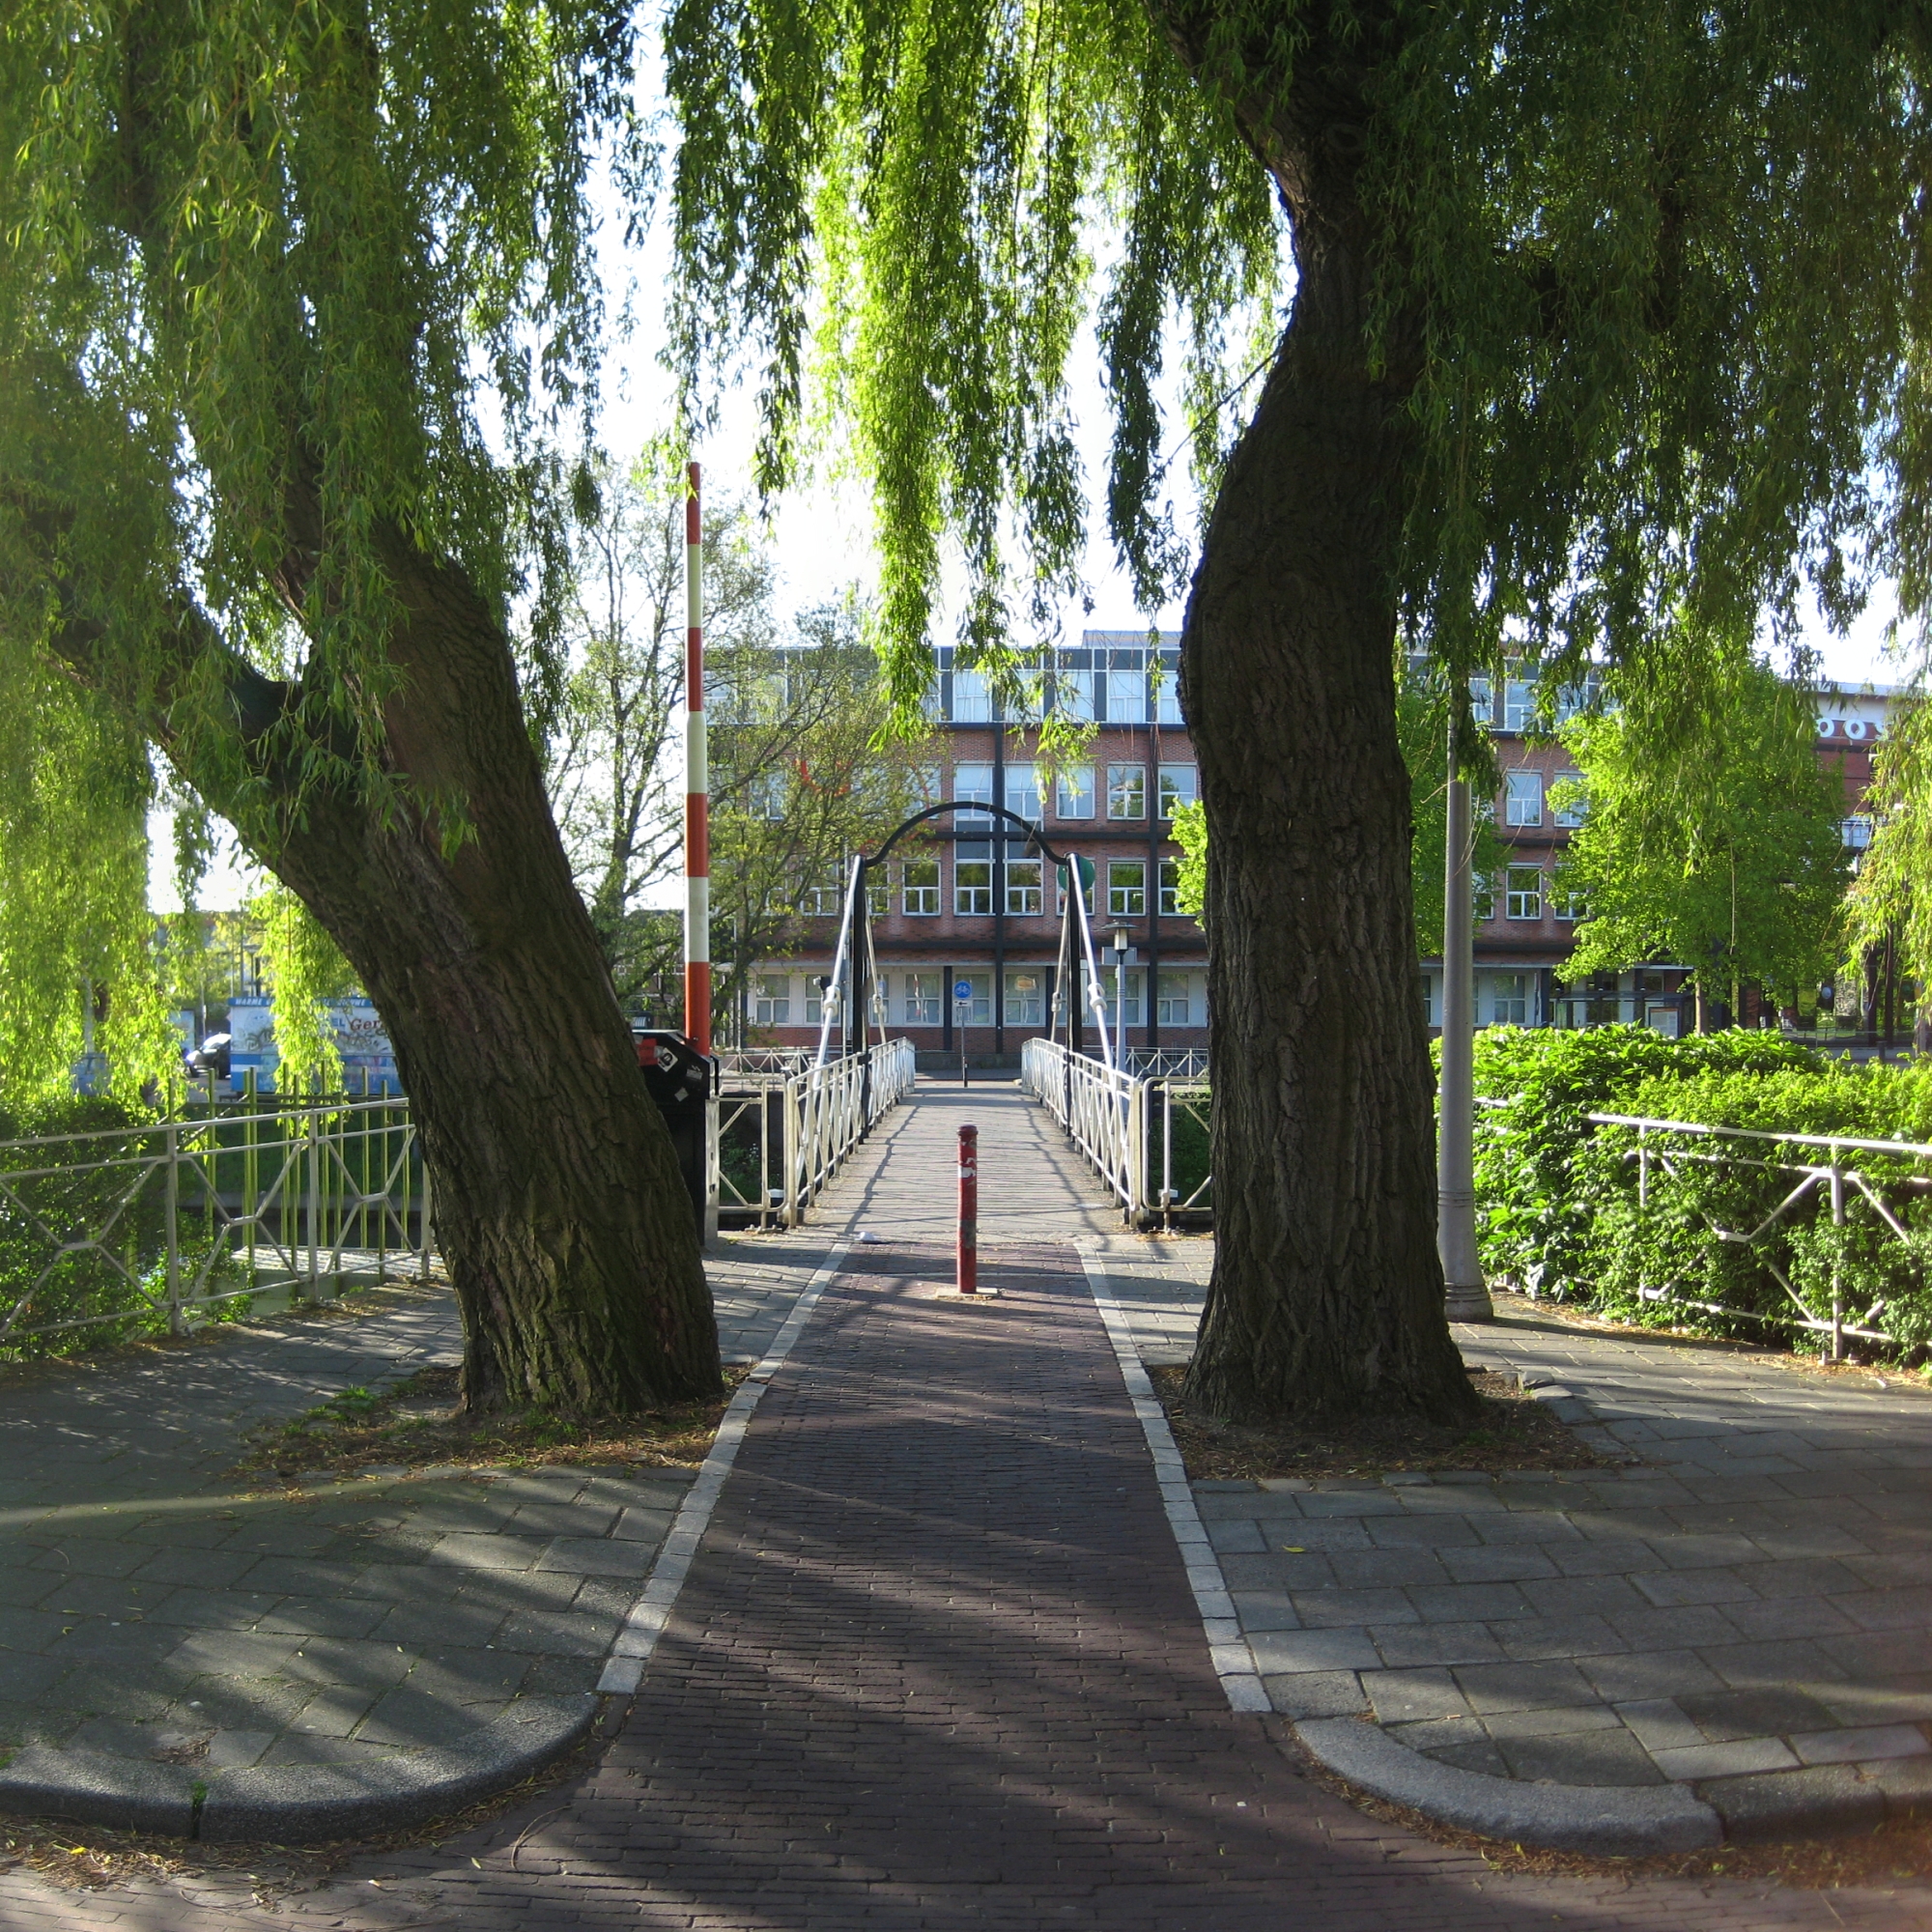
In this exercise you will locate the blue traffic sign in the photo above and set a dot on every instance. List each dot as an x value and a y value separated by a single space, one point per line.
962 991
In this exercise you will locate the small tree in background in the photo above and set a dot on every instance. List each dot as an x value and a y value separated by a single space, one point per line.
1712 841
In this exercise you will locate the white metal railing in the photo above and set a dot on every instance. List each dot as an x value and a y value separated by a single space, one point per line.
1832 1183
782 1135
1124 1123
1168 1063
160 1226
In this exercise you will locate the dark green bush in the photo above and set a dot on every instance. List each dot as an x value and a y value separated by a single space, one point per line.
1561 1213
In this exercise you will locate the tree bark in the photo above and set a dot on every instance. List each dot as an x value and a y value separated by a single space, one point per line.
1327 1293
560 1208
559 1202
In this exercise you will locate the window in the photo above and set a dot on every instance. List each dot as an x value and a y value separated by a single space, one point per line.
976 1009
1127 696
1431 993
1086 876
767 795
1482 700
1023 791
878 893
1074 793
923 783
1519 705
821 899
1578 698
1509 1000
1167 695
1126 791
1483 897
921 999
1523 893
972 784
1108 990
771 1001
1170 888
1073 695
1026 997
1126 888
973 881
972 701
921 887
814 1001
1568 905
1179 785
1174 999
1522 798
1573 812
1023 891
1855 832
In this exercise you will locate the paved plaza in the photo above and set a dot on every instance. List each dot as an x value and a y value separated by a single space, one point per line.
937 1658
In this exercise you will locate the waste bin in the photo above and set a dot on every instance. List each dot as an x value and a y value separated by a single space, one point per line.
682 1081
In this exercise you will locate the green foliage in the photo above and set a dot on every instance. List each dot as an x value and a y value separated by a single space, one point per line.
1646 282
305 969
264 268
74 929
1712 840
1190 834
1559 1198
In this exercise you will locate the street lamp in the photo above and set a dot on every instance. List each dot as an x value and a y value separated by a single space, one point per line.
1119 938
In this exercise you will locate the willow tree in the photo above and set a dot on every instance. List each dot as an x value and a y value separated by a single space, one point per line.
1596 313
267 271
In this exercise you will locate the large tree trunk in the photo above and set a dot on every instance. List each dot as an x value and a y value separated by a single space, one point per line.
1327 1290
559 1202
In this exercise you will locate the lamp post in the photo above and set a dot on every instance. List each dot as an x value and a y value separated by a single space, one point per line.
1118 937
1467 1296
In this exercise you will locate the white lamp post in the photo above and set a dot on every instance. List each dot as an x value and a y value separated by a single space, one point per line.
1467 1294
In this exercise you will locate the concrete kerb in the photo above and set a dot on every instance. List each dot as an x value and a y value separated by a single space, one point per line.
1629 1821
311 1804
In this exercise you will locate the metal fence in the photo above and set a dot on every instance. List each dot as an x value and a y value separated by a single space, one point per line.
1145 1133
1789 1183
782 1133
138 1229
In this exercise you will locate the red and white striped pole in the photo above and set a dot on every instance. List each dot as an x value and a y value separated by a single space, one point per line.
697 785
966 1256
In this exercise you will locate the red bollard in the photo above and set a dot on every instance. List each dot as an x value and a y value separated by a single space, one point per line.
966 1266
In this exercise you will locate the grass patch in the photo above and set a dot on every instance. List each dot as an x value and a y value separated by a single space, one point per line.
1513 1430
415 1423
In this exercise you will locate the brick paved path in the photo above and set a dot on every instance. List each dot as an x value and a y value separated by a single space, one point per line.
937 1666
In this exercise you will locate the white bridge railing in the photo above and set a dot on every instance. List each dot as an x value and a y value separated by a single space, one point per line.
1145 1133
782 1134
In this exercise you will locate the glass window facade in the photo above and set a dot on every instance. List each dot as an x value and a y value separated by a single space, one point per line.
1126 791
1126 888
1073 792
1023 888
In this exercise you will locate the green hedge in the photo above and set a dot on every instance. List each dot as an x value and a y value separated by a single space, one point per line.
1558 1199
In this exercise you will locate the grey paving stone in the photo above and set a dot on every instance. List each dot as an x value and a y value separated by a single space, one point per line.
1278 1652
1352 1502
1422 1532
336 1711
408 1718
235 1750
1491 1563
563 1518
1239 1536
1672 1589
1696 1762
475 1551
1788 1804
1854 1743
1908 1607
1533 1640
559 1636
1595 1757
1408 1696
337 1616
1603 1556
644 1525
1412 1645
1795 1663
1265 1611
600 1556
1539 1526
1438 1734
1524 1687
1316 1694
1467 1603
413 1626
1477 1756
1695 1627
1321 1609
1787 1617
1356 1569
1659 1723
1762 1711
1562 1721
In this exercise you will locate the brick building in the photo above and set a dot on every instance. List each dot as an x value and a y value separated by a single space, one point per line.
966 904
1524 926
